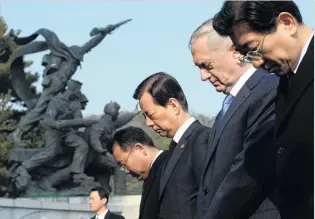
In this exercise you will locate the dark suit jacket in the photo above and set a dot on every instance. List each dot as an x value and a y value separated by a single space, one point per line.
149 206
181 177
237 167
111 215
295 141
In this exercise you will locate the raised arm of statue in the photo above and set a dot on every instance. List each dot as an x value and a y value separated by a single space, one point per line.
71 123
124 119
52 121
98 35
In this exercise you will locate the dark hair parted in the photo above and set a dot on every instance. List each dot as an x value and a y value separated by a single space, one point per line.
162 86
102 192
260 16
126 138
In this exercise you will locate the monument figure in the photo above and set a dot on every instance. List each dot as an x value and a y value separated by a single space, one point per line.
70 160
99 163
60 65
62 114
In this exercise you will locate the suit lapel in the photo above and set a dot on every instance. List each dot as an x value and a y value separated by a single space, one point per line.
236 104
179 149
107 216
147 185
301 81
217 131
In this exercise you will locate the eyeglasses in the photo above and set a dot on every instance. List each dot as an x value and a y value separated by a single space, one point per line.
123 166
254 55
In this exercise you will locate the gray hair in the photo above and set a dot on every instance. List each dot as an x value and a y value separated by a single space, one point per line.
215 41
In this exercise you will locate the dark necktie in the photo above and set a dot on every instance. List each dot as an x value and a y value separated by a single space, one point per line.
170 152
289 78
225 105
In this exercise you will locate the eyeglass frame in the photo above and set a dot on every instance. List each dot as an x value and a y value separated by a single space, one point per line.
251 55
123 166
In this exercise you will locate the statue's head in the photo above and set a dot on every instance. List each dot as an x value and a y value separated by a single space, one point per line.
51 63
83 101
76 52
112 109
74 89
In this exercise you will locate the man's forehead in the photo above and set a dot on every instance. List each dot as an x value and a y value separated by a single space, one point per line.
117 151
241 35
94 194
146 102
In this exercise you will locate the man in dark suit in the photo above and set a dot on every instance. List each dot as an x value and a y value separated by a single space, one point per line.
98 204
236 169
135 153
272 34
165 108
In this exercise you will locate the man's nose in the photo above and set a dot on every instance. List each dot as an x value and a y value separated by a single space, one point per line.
204 74
149 122
258 62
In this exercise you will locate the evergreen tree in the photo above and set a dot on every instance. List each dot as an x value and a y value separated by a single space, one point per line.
9 115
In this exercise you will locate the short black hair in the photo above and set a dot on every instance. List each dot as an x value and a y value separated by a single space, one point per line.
162 86
102 192
128 137
260 16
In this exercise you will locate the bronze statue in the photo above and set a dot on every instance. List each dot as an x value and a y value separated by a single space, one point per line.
70 159
60 65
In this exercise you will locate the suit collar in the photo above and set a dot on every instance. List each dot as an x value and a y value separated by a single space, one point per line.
303 52
241 81
240 98
182 129
147 185
179 149
107 216
104 215
300 82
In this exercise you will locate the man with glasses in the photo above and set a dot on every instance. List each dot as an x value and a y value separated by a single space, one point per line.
237 163
136 155
271 34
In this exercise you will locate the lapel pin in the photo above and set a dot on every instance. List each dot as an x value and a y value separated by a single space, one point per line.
182 146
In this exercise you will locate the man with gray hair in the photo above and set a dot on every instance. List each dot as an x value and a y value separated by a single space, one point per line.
236 177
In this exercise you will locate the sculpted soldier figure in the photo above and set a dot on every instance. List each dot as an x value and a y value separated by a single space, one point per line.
101 133
60 65
63 113
98 135
49 183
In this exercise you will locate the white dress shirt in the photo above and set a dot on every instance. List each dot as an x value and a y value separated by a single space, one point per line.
303 52
158 154
241 81
183 129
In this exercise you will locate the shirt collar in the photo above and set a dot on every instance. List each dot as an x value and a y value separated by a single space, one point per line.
102 215
156 156
183 129
241 81
304 50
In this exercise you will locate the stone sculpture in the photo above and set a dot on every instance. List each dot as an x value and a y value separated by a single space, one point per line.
60 65
71 160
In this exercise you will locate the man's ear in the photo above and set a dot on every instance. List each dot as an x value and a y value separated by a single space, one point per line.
104 201
175 105
140 147
231 47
